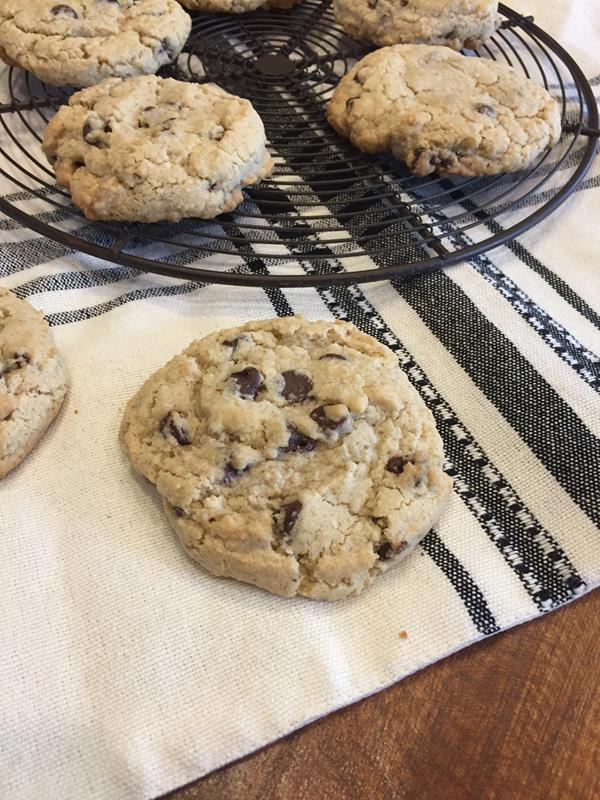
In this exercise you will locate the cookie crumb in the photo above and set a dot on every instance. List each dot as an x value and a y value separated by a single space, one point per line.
403 635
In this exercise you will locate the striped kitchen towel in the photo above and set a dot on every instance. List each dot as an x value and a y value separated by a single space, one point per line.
126 670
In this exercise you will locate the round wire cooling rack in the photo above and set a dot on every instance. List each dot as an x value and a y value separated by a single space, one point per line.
328 214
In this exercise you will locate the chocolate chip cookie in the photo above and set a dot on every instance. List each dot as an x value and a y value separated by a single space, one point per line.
83 41
149 149
290 454
33 379
454 23
443 112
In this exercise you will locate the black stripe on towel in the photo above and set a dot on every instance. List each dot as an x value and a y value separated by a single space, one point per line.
463 583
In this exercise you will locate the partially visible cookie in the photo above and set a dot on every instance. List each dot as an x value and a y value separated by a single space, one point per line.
453 23
149 149
290 454
443 112
237 6
33 379
81 42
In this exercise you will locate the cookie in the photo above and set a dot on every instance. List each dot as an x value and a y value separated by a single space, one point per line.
81 42
149 149
453 23
33 379
236 6
290 454
443 112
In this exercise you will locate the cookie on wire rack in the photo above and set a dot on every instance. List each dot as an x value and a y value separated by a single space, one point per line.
453 23
81 42
443 112
150 149
290 454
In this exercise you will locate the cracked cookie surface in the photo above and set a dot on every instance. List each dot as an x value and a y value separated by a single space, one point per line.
442 112
149 149
453 23
81 42
33 379
290 454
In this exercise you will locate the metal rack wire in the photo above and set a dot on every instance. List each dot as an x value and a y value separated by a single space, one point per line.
329 214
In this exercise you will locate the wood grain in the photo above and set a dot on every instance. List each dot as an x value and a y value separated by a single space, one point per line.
516 717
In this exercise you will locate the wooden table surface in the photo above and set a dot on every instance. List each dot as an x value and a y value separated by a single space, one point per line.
516 717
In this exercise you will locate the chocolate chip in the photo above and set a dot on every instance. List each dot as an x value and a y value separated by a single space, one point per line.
65 11
148 108
249 381
167 49
489 111
230 472
178 511
324 422
417 154
87 129
174 424
333 355
108 128
290 515
386 550
232 342
396 464
350 102
297 386
372 3
19 360
298 442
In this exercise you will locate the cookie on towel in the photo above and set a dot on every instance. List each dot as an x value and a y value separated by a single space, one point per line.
33 379
290 454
